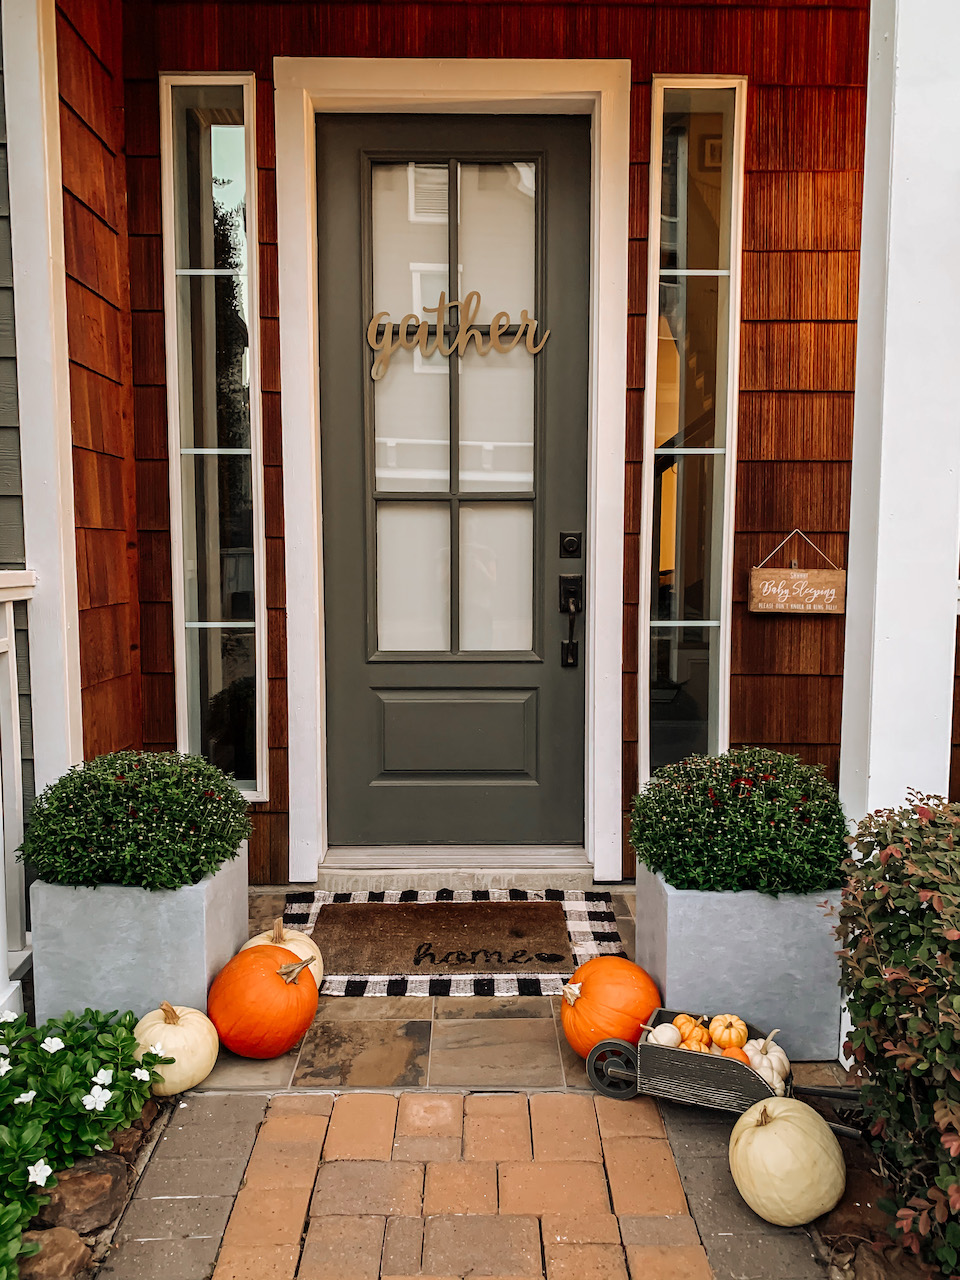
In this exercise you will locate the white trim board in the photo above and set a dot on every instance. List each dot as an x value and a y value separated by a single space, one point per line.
600 89
43 377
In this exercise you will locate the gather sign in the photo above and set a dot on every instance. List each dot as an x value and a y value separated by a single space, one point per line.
413 332
797 590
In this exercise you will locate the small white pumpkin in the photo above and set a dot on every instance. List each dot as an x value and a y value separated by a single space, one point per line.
786 1162
184 1034
301 944
764 1053
666 1035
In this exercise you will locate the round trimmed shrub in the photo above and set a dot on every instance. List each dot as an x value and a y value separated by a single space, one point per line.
747 819
154 820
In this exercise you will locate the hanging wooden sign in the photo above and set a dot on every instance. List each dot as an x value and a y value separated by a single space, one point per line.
413 332
797 590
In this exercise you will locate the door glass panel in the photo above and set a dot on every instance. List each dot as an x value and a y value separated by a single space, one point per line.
682 688
409 238
497 236
413 576
697 182
496 421
411 407
691 362
496 576
687 491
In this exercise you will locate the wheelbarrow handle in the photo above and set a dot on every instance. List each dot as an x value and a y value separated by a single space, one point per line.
841 1092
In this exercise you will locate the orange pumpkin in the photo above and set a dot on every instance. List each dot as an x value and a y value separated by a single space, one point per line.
695 1046
262 1001
736 1053
691 1029
729 1031
608 998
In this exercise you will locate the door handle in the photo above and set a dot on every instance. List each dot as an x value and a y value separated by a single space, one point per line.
571 603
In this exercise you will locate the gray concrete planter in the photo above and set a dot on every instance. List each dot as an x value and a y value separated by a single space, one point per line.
771 960
115 947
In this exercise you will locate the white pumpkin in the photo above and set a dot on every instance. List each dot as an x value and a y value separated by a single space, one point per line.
301 944
786 1162
666 1035
766 1054
184 1034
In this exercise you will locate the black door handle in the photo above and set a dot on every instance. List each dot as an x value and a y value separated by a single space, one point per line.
571 603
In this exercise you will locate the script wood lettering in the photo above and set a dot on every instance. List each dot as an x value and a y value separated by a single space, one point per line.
797 590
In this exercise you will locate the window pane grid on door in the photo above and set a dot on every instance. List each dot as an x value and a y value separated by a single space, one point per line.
467 431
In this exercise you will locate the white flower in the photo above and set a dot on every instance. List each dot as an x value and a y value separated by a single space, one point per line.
39 1172
52 1044
8 1016
26 1097
157 1049
96 1099
103 1076
4 1048
5 1066
140 1074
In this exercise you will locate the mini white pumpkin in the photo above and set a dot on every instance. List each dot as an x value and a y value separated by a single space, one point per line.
764 1053
666 1035
184 1034
301 944
786 1162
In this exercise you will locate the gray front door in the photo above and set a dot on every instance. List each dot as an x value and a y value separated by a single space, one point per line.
454 276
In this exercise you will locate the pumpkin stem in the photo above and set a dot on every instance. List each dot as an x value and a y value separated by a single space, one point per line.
572 991
763 1117
290 972
170 1014
278 931
766 1044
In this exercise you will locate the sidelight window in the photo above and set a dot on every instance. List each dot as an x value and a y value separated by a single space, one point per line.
690 417
212 319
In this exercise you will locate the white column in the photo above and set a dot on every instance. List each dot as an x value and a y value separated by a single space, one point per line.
43 377
905 512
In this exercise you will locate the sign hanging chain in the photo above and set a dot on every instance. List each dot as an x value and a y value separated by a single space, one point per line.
787 539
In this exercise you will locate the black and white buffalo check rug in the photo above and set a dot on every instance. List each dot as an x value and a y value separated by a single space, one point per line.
436 968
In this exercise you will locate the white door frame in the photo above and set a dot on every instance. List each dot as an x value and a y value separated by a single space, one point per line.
600 89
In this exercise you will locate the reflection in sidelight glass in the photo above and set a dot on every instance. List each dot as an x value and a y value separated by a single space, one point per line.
687 493
692 362
496 576
496 421
220 526
413 576
498 236
683 663
697 179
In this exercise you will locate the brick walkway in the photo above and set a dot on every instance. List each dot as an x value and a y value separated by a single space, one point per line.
429 1185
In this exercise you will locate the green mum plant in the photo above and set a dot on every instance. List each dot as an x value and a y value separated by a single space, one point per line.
748 819
156 820
900 930
65 1088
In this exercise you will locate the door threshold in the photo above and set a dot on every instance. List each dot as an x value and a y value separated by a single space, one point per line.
353 868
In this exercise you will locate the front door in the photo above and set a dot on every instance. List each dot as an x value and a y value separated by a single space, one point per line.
454 275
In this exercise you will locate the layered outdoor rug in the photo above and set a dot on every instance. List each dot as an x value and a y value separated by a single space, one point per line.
454 942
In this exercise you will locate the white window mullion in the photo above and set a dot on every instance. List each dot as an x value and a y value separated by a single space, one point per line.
702 94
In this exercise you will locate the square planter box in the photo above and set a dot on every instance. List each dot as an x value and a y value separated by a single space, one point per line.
115 947
770 960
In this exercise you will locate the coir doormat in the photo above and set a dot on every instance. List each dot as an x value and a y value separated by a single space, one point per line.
483 942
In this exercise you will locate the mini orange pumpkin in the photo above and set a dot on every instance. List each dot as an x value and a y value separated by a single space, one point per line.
695 1046
262 1001
608 998
736 1053
729 1031
692 1029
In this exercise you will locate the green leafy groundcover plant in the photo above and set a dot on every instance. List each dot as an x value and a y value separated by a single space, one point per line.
747 819
64 1088
156 820
900 930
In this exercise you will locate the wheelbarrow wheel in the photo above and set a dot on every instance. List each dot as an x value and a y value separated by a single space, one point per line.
612 1068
